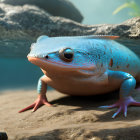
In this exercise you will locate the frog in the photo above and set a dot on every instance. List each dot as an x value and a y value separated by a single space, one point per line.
83 66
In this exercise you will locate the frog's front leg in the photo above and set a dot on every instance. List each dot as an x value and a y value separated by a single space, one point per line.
42 99
127 85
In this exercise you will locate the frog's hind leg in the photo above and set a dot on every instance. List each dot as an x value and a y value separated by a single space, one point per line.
127 85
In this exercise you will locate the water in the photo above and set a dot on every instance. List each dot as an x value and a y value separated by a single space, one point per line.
18 73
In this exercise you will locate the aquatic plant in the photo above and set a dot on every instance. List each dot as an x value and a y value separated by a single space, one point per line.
129 4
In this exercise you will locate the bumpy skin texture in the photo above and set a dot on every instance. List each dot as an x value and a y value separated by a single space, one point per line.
85 65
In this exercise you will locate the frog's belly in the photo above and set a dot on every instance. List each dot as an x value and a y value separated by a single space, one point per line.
82 88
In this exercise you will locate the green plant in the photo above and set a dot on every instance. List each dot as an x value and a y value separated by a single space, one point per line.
129 4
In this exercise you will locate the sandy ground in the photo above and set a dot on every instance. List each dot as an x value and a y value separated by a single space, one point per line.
71 118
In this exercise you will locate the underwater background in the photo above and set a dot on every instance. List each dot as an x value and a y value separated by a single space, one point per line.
17 72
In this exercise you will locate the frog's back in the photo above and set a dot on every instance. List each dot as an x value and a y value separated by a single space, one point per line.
117 57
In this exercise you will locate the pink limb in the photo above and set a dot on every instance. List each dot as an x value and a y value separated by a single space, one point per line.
122 104
41 100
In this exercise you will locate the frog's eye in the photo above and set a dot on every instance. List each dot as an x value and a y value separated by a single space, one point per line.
66 54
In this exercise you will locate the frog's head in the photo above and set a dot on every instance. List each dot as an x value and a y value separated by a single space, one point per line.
61 54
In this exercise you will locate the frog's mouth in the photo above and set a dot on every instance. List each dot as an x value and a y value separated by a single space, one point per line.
47 64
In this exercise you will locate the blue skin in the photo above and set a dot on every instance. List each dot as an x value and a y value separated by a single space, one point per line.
40 85
128 84
116 64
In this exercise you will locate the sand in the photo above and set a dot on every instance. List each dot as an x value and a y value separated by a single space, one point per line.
71 118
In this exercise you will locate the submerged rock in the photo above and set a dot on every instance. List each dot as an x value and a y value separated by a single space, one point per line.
21 25
63 8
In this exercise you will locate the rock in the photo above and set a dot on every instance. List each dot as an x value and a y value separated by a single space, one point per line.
3 136
21 25
63 8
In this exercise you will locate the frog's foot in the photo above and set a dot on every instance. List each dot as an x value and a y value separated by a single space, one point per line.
122 105
41 100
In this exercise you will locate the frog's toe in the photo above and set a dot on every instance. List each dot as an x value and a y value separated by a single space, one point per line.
122 105
108 106
41 100
125 112
40 103
121 108
134 103
27 108
116 113
47 104
37 105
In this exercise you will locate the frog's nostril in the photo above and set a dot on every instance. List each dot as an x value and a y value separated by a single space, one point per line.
46 56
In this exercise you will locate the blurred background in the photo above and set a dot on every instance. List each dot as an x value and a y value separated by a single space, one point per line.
17 72
101 11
